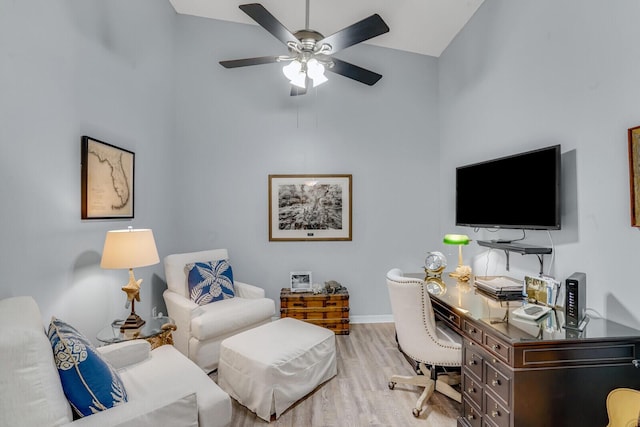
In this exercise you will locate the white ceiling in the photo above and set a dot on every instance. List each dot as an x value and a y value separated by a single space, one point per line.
419 26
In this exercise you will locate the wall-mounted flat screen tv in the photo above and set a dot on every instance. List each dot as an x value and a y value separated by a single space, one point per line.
517 191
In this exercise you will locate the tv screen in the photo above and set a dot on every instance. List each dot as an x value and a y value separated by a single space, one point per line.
517 191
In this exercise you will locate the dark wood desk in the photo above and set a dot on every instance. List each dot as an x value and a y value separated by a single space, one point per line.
534 373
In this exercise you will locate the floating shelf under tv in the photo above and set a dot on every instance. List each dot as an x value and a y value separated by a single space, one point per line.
521 248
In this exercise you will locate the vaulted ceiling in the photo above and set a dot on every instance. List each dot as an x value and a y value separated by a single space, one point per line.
420 26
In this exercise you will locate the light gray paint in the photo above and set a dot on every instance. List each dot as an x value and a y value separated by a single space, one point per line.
235 127
205 140
69 68
519 76
523 75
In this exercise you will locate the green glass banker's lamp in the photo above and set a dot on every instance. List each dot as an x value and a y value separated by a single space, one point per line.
463 272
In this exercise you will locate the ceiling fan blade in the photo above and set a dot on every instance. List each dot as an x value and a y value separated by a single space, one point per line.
353 34
262 16
235 63
354 72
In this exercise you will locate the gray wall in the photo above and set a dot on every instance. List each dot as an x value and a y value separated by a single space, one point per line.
523 75
235 127
70 68
136 75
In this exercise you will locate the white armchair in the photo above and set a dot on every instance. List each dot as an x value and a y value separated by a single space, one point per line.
201 328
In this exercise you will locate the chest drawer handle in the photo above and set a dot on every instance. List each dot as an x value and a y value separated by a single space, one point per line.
495 414
471 417
298 304
495 383
495 347
473 331
452 317
472 362
471 390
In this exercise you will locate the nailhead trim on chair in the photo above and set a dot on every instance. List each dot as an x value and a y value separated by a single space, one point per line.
424 321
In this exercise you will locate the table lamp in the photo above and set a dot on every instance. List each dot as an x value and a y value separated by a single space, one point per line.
463 272
129 249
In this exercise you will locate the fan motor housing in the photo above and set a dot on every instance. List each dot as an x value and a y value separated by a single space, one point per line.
308 39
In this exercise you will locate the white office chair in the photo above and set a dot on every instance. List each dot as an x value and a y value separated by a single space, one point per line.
434 347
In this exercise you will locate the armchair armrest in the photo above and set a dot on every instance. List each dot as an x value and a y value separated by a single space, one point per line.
126 353
181 309
165 408
244 290
179 302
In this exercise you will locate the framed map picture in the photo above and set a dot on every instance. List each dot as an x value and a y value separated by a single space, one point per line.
309 207
107 180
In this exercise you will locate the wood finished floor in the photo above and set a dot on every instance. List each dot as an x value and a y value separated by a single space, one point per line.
359 395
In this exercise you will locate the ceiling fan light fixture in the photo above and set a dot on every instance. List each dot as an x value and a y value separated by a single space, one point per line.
293 71
306 45
315 70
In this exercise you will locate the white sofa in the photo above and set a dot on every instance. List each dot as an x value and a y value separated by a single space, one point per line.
163 386
201 328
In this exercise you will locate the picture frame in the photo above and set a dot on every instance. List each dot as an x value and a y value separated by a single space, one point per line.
300 281
107 180
543 290
561 297
634 174
310 207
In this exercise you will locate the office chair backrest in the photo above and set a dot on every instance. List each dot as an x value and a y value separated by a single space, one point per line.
415 321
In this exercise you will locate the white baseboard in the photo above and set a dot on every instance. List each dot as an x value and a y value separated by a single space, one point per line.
381 318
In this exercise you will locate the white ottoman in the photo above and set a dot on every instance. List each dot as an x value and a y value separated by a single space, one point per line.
269 368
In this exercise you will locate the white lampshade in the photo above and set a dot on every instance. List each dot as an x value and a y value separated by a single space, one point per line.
293 71
129 248
315 71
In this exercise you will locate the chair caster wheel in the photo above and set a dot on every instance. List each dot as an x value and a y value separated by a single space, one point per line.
391 385
416 412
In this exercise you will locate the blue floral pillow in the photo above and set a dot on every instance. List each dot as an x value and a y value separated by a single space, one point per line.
210 281
89 382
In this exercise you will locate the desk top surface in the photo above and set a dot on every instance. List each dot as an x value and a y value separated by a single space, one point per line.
465 299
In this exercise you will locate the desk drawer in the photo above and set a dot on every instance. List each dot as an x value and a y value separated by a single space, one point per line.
471 414
495 412
499 383
499 347
446 314
473 359
472 389
472 331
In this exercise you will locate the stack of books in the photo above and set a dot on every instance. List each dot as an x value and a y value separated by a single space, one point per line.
500 287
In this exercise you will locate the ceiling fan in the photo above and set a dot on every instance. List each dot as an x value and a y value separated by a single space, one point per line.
310 53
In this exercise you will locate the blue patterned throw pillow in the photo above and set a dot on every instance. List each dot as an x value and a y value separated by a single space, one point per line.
89 382
210 281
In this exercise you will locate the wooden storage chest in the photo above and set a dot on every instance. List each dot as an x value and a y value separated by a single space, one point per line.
328 310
